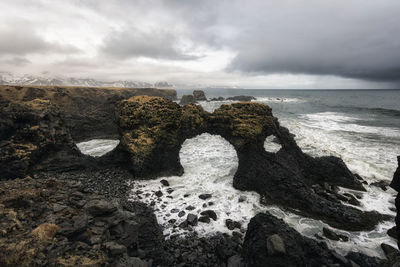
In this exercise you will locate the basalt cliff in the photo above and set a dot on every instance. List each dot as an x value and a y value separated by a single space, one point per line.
61 208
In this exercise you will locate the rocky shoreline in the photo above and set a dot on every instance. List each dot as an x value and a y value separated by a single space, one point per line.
61 208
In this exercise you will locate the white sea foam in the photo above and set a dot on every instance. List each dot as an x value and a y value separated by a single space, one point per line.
332 121
278 100
97 147
271 145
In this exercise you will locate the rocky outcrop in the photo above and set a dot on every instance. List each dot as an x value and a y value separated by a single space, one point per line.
153 130
243 98
33 137
88 111
199 95
48 222
187 99
271 240
395 184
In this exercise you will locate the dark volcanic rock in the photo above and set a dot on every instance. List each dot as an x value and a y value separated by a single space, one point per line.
392 232
199 95
35 231
231 224
209 213
153 130
241 98
205 196
220 98
395 184
270 240
100 207
88 111
33 137
381 184
191 219
187 99
204 219
164 182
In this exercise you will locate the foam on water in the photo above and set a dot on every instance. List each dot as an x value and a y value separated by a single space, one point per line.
97 147
210 163
333 121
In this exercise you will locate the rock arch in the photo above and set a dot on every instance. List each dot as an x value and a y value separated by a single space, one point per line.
153 129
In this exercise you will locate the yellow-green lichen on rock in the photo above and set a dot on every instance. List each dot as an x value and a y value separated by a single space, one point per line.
153 129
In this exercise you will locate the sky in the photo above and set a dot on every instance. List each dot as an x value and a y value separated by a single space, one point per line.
249 44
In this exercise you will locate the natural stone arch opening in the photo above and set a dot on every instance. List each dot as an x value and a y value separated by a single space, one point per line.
97 147
210 156
272 144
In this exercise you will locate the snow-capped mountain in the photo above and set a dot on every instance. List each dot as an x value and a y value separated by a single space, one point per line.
8 78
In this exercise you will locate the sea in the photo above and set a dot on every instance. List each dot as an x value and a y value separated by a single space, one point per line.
360 126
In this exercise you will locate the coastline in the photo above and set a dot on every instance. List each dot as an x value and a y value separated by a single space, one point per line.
97 178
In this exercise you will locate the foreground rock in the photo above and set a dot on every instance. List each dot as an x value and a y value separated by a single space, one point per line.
270 241
88 111
48 222
153 130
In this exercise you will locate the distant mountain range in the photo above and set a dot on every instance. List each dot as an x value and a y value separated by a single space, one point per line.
7 78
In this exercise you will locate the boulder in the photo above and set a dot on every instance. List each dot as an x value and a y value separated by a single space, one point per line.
199 95
209 213
270 240
187 99
191 219
100 207
205 196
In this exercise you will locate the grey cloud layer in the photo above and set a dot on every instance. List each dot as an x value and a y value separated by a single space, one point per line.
21 39
356 39
133 42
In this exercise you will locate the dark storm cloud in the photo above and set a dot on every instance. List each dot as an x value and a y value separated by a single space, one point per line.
353 39
356 39
155 43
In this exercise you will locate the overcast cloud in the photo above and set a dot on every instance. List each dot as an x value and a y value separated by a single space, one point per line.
254 44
